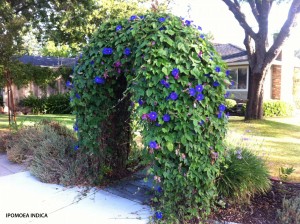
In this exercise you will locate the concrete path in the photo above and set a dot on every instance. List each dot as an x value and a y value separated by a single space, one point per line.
24 200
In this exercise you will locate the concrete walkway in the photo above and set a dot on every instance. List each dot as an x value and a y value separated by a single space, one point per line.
24 199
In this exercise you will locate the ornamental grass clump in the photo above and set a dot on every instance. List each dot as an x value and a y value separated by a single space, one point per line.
243 174
161 71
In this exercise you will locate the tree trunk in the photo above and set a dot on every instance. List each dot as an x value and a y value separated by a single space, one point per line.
254 108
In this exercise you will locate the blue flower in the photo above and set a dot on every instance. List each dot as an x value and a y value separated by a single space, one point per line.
77 96
173 96
199 88
175 72
217 69
158 215
162 28
99 80
152 116
157 124
69 84
142 17
141 102
107 51
152 144
166 118
76 147
92 62
199 28
159 189
226 95
75 127
215 84
220 114
222 107
202 36
127 51
188 22
192 92
162 19
119 27
165 83
201 122
133 17
200 97
227 73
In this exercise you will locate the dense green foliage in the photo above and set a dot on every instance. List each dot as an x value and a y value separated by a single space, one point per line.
276 108
243 174
1 100
53 104
162 72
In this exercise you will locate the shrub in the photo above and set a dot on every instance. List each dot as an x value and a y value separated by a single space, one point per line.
48 150
58 104
290 212
276 108
230 104
54 104
38 105
243 174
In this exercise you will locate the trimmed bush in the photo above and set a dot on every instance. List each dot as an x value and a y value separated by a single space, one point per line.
276 108
54 104
243 174
290 213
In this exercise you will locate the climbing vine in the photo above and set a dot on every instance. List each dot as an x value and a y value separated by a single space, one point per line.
161 71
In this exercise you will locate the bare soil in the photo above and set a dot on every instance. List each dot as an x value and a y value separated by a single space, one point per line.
263 208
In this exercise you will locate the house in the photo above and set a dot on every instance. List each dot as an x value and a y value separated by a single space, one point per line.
51 62
279 80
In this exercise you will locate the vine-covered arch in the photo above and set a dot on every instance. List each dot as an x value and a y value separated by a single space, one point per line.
160 71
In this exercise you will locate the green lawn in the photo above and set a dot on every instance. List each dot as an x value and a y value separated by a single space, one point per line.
67 120
277 140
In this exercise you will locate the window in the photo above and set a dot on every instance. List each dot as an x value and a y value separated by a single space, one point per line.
239 77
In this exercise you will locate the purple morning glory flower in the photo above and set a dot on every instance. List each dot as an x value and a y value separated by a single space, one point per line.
175 72
159 189
227 73
117 64
192 92
173 96
153 144
141 102
99 80
165 83
77 96
215 84
152 116
75 127
226 95
188 22
76 147
222 107
92 62
69 84
201 122
158 215
142 17
162 28
157 124
200 97
133 17
162 19
199 88
202 36
127 51
107 51
166 118
119 27
199 28
217 69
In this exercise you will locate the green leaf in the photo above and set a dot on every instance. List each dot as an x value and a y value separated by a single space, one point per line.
170 146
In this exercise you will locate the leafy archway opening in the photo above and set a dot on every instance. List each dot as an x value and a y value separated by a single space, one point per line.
160 71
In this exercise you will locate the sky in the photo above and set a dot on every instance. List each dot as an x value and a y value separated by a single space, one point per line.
214 16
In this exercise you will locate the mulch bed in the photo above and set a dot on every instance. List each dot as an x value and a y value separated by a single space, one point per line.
263 208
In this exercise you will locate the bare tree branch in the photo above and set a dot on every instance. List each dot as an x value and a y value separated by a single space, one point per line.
254 9
284 32
235 9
